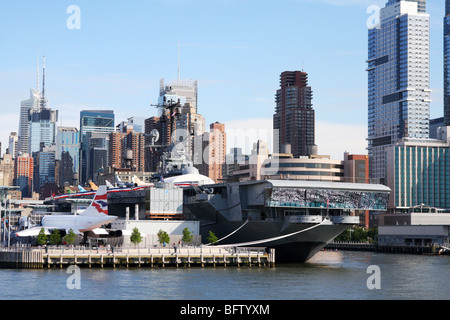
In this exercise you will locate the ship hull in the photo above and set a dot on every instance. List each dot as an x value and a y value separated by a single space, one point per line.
293 243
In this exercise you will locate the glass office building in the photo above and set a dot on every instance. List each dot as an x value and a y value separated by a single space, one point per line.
447 64
42 129
421 4
95 121
398 80
24 123
68 153
418 173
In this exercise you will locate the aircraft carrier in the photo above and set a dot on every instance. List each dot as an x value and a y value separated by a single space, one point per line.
297 218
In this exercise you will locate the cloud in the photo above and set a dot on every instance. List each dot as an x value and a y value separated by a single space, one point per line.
332 138
243 133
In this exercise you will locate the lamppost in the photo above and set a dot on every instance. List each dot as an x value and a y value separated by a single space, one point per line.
350 230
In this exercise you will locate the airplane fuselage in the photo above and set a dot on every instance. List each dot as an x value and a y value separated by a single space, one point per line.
76 222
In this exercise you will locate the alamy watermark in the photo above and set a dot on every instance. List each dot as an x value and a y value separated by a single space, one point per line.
374 280
73 22
374 20
74 281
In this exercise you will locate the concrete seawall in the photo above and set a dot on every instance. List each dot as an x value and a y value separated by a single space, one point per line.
48 258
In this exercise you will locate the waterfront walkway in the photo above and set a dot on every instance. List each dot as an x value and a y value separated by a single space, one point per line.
205 256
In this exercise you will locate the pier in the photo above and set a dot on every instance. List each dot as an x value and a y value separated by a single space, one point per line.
383 248
159 257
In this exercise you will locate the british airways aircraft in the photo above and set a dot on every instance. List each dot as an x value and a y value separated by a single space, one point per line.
95 216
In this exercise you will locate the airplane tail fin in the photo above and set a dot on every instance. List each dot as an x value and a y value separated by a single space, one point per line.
99 204
119 182
137 181
93 186
108 184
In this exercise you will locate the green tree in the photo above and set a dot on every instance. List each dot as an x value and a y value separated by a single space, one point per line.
42 238
187 236
212 238
358 234
163 237
70 237
136 236
55 238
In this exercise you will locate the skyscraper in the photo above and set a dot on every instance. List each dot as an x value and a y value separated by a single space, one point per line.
126 149
185 90
97 155
180 125
23 174
13 147
24 122
398 79
294 116
95 121
421 4
42 129
68 153
447 64
214 146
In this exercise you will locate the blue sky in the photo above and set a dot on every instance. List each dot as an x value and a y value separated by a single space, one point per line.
236 49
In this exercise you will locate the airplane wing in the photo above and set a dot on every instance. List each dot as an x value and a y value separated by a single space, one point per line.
32 232
100 231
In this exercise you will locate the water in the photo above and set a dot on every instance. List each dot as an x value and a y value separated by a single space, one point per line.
329 275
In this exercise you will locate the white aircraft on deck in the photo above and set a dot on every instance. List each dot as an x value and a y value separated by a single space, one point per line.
95 216
139 183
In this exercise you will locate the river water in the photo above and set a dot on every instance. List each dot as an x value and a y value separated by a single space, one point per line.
329 275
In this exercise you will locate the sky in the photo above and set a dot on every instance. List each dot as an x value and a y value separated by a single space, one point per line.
118 51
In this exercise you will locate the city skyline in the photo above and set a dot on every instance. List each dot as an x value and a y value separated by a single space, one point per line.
115 61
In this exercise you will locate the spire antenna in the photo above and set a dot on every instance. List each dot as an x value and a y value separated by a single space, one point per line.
43 101
43 80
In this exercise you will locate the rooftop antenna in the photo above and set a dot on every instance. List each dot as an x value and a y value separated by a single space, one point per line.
43 80
43 100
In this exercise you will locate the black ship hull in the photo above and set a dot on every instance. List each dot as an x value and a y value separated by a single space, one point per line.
293 243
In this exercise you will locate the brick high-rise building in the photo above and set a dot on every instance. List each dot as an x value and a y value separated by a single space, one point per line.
126 149
23 174
214 152
294 116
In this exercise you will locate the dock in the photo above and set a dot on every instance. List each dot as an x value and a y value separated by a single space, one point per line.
183 257
382 248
